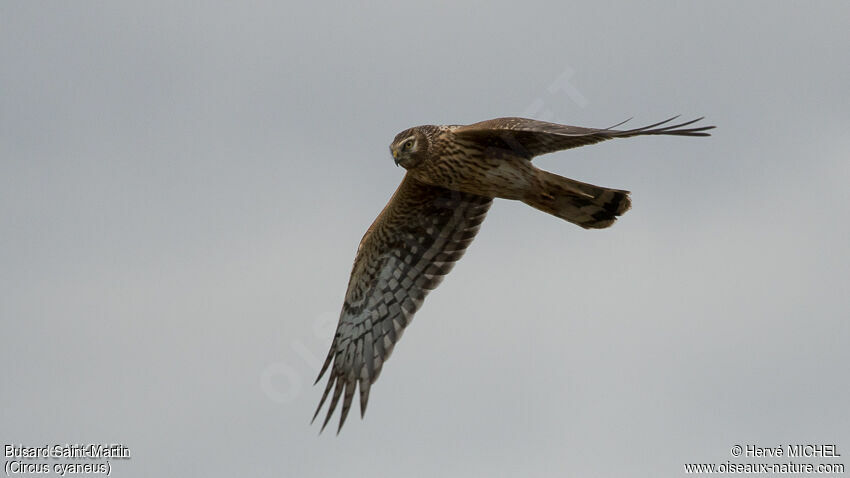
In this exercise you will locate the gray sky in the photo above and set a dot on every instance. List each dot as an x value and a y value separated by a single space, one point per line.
182 192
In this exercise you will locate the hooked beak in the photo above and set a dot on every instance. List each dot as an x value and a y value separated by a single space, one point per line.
395 155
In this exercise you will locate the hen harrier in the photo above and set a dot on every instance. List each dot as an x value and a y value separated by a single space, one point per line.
453 175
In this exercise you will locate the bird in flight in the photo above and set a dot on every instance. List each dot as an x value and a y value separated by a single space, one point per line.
453 174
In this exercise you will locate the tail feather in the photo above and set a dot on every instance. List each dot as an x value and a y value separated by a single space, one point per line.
586 205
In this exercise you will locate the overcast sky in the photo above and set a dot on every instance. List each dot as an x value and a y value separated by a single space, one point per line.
182 191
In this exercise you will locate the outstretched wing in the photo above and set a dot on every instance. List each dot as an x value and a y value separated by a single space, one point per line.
413 243
529 138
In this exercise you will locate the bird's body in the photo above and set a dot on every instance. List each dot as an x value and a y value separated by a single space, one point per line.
453 175
463 165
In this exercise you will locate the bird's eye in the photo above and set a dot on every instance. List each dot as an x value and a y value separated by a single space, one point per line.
408 144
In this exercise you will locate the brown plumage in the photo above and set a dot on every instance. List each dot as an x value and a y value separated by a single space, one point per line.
453 175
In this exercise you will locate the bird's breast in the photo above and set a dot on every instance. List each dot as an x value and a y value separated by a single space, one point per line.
473 171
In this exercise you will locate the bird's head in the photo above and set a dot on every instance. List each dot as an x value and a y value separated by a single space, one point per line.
409 148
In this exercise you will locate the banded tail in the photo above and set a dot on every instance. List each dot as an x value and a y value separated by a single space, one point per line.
583 204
